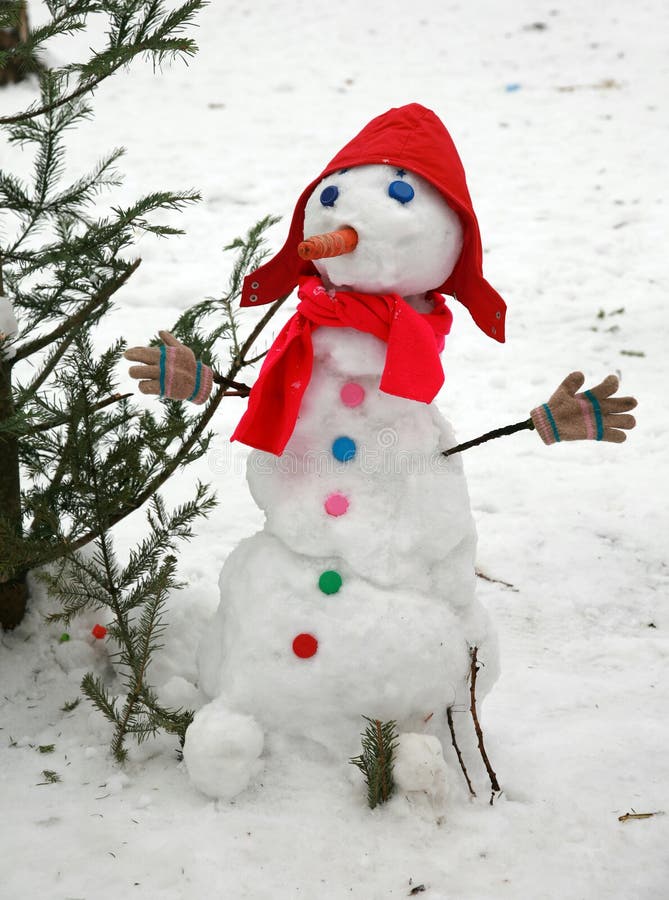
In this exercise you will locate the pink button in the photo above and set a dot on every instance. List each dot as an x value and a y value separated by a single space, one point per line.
336 505
352 394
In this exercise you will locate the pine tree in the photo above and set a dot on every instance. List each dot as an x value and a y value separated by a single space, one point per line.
60 266
60 269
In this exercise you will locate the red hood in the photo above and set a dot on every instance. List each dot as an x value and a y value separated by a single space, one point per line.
413 138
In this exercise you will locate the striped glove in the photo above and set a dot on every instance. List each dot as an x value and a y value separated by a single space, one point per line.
594 415
171 371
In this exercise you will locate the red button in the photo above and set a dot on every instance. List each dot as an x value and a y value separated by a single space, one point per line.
305 645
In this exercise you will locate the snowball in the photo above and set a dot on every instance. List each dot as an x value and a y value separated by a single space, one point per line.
117 783
179 693
408 505
75 655
419 765
221 751
392 236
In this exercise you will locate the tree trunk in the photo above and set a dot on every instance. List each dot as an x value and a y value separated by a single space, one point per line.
13 588
12 37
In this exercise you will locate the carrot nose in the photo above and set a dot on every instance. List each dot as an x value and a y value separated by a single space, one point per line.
334 243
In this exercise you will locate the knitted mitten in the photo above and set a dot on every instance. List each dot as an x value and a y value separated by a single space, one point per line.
592 415
171 371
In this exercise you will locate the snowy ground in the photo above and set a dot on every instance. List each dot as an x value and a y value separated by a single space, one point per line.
559 112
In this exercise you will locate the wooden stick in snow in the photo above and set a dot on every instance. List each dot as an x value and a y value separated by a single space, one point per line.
477 725
449 716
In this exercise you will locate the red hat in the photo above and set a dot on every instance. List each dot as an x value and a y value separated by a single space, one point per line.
413 138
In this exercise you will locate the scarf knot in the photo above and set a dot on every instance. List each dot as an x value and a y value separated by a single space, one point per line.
412 367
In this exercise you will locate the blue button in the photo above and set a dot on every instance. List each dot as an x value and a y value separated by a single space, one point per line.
401 190
329 195
343 449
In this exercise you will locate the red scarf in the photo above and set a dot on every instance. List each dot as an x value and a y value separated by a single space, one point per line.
412 369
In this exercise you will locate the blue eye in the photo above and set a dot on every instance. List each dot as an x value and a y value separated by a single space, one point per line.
401 191
329 195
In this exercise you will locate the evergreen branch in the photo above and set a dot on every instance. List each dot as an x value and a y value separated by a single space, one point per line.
75 321
149 623
83 190
65 417
13 192
379 743
176 461
154 485
154 34
250 257
164 532
104 547
67 22
133 215
93 688
44 511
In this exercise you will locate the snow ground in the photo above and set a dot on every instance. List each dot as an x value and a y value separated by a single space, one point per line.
563 131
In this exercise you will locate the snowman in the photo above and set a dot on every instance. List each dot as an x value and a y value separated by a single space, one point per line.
358 595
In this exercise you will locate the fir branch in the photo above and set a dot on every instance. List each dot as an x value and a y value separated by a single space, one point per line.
70 325
189 445
250 256
64 418
379 743
157 33
94 689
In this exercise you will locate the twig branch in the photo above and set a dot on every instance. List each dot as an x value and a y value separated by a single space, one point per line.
243 390
480 574
491 435
477 725
255 359
449 716
240 359
634 815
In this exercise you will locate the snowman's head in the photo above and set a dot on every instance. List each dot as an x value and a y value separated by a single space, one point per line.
409 238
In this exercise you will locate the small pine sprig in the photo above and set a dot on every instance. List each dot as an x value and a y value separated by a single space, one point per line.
134 597
379 742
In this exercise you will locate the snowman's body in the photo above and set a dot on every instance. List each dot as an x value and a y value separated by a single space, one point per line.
387 632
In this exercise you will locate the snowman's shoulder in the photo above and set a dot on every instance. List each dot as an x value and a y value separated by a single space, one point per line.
346 350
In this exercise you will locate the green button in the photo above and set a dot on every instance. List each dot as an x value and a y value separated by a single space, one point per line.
330 582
